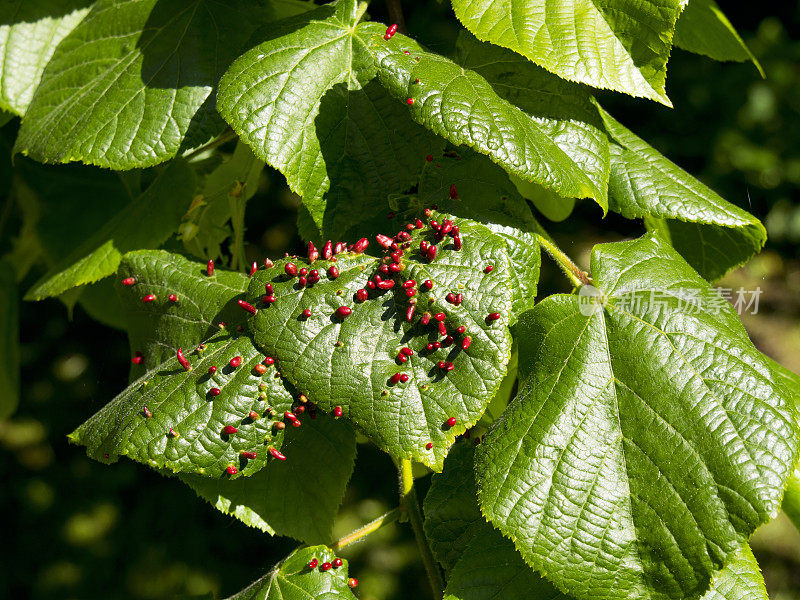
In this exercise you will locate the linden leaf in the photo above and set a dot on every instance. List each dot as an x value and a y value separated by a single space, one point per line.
304 99
292 579
281 496
174 419
160 207
713 235
649 438
349 359
157 328
621 45
30 31
134 83
485 194
460 104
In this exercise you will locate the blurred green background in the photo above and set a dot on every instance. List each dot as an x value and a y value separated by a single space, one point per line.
78 530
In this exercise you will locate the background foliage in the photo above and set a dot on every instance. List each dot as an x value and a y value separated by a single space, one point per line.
127 532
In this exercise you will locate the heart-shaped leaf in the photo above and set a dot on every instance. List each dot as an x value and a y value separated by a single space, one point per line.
713 235
621 45
175 419
353 359
293 579
281 496
304 99
649 438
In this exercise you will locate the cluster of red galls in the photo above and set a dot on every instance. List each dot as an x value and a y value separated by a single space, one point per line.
327 566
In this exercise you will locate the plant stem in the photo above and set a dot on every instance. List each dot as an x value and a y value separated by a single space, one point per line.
223 138
573 272
409 502
371 527
396 14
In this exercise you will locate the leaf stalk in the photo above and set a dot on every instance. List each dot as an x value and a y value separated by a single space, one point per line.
410 504
371 527
574 273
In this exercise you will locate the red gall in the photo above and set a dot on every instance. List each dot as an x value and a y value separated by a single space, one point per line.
337 411
231 470
187 366
246 306
128 281
210 268
390 31
229 430
451 422
149 298
248 454
313 253
235 362
360 246
344 311
275 453
290 269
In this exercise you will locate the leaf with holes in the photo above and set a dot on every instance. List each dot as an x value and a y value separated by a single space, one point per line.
134 83
30 31
179 420
160 207
486 194
349 353
157 328
292 579
621 45
460 104
713 235
649 438
281 496
306 101
704 29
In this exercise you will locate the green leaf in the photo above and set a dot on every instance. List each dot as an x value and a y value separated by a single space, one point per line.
791 500
293 580
713 235
459 104
565 111
30 30
741 579
452 516
158 328
229 186
185 432
305 100
101 302
145 223
485 194
550 204
491 569
134 83
281 497
704 29
349 362
649 438
9 340
621 45
481 564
